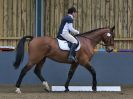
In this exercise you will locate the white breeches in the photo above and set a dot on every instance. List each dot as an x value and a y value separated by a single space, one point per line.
69 37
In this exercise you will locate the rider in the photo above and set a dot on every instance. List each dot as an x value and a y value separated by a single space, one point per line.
66 30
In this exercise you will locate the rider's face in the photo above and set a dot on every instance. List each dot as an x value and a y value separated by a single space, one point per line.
74 14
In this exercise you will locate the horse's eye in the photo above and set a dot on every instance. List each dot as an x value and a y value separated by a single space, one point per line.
108 34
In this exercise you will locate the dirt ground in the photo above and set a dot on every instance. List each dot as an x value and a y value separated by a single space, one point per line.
37 92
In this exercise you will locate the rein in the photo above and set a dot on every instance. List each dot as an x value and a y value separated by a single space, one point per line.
92 40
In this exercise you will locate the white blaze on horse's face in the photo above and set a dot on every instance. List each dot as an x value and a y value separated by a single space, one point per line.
108 34
109 47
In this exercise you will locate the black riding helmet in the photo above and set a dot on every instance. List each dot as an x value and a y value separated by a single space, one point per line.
71 10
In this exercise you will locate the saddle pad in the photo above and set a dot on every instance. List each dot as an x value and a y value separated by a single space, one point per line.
64 45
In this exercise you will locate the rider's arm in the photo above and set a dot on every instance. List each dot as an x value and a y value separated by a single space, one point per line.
70 26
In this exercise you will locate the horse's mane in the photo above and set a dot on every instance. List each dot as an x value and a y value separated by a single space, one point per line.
89 32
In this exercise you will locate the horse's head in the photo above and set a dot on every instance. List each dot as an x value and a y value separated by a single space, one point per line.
108 39
104 34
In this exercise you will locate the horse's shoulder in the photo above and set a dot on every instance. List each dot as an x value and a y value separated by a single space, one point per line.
86 45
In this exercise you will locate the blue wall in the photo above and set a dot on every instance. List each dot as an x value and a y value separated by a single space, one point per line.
112 69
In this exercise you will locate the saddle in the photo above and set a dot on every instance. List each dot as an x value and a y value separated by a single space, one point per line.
65 45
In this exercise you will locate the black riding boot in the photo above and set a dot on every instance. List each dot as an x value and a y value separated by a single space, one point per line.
71 56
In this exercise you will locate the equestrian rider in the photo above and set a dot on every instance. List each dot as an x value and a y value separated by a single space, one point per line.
66 30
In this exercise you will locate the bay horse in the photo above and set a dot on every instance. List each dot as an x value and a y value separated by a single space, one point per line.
40 48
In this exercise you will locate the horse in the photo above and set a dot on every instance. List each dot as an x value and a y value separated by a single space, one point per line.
40 48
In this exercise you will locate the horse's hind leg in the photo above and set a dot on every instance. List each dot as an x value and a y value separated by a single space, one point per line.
37 71
70 75
93 73
21 76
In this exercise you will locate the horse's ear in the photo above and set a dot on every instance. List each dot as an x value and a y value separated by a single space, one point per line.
112 28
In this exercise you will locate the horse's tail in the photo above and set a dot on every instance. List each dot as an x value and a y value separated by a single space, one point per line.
20 51
112 29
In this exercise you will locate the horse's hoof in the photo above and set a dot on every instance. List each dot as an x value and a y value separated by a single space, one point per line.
18 91
47 88
94 89
66 90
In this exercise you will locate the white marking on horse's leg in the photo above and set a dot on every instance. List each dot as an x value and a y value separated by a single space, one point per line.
46 85
18 90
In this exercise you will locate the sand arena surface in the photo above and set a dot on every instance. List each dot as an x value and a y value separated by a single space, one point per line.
37 92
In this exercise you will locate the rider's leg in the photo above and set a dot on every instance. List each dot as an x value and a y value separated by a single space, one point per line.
74 42
71 56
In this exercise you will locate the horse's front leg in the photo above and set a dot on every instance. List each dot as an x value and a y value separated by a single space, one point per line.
93 73
70 75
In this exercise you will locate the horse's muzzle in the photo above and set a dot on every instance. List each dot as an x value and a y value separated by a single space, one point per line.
109 49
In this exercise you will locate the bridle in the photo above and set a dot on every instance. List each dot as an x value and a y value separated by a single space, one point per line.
94 40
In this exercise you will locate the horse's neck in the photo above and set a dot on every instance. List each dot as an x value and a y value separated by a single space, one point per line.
95 40
96 37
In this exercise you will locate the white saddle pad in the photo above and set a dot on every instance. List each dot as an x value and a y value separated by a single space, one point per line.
64 45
